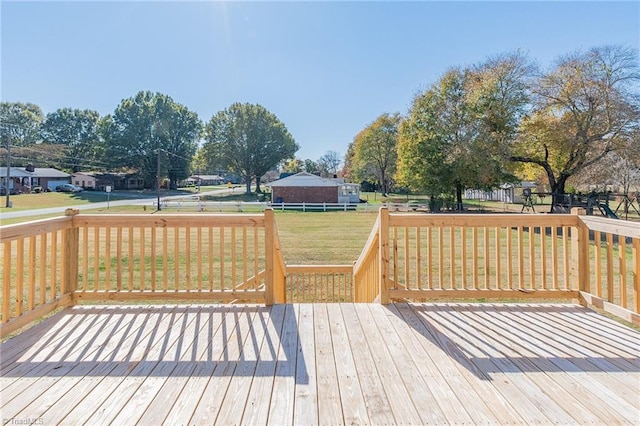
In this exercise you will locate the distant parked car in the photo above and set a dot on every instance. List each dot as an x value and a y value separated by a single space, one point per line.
67 187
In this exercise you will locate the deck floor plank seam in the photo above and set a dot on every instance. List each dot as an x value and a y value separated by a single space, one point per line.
307 402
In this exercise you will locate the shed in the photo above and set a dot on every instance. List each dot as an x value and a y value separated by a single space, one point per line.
307 188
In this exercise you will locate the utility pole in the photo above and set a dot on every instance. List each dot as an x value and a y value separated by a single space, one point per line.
6 186
158 176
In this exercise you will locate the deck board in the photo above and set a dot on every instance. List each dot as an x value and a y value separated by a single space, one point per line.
323 364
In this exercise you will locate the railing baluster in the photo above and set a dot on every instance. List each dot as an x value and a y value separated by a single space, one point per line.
118 259
32 273
418 259
54 265
20 276
474 242
452 257
543 249
176 259
6 289
43 268
154 272
532 257
609 267
429 260
498 231
622 270
520 258
597 237
96 258
565 255
107 259
440 257
486 258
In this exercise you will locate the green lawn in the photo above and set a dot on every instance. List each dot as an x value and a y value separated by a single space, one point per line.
323 238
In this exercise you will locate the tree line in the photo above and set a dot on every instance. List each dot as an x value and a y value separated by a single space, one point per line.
149 134
504 120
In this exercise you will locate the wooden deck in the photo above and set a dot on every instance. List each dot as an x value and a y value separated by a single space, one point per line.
323 364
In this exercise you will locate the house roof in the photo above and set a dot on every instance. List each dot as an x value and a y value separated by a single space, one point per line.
303 179
42 172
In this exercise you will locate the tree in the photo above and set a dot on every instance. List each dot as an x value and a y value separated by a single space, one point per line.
455 135
584 108
148 124
329 163
311 166
375 151
77 131
248 140
293 165
21 121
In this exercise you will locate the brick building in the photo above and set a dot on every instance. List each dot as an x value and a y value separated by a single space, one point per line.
304 188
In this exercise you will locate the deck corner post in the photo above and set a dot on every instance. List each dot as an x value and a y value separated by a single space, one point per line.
384 255
269 242
71 238
580 252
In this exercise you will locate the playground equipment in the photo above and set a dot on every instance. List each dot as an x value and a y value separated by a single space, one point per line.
527 203
632 202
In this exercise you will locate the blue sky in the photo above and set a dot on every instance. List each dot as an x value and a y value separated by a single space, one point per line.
325 69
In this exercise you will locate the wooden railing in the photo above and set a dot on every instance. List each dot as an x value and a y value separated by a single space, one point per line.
611 266
367 269
38 270
217 258
319 283
57 262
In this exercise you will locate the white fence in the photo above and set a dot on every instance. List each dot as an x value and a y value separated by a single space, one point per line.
241 206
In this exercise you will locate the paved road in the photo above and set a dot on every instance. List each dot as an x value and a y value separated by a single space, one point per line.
103 205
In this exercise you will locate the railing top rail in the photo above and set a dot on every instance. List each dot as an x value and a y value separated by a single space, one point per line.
33 228
369 245
171 220
481 220
612 226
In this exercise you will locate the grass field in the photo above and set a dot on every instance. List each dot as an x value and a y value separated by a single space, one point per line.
323 238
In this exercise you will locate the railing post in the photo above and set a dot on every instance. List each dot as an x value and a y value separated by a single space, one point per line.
384 255
269 250
580 251
71 250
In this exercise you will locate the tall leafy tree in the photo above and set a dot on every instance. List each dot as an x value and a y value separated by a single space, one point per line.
247 140
149 126
585 107
375 151
21 122
456 134
77 131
